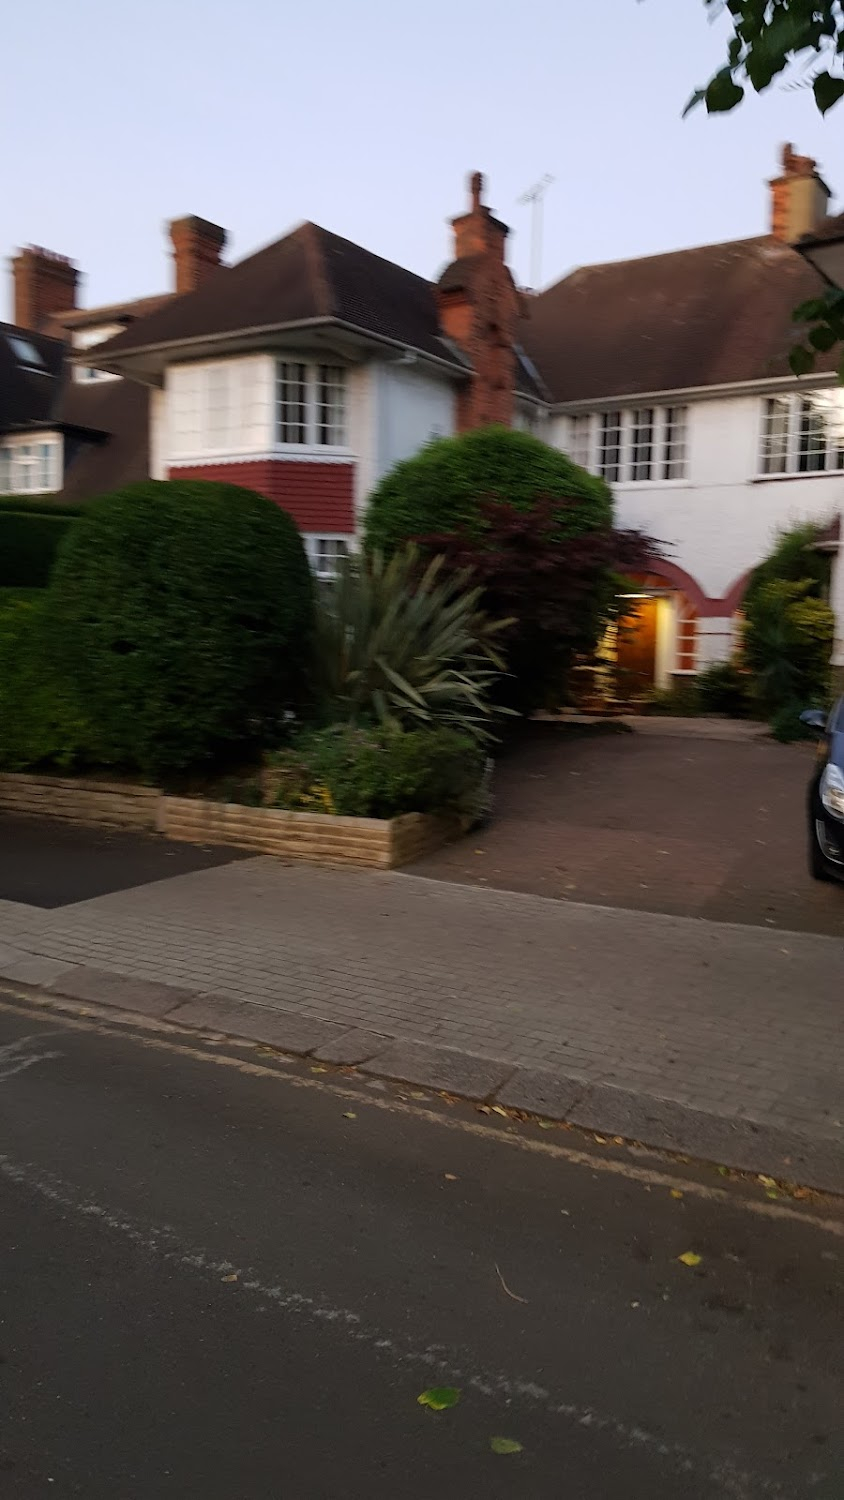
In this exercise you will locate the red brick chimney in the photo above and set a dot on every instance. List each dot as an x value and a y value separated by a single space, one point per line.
45 283
197 246
799 197
479 310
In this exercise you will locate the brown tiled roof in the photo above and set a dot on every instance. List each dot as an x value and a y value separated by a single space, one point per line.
709 316
112 312
309 275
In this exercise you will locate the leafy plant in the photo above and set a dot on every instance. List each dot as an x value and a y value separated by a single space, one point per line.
770 35
400 642
380 773
559 587
182 614
788 636
442 489
794 559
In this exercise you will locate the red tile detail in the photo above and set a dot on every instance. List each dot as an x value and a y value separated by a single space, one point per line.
319 497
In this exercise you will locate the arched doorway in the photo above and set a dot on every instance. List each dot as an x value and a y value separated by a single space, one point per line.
657 637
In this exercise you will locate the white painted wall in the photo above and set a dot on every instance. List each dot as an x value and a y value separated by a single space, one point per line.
412 406
722 520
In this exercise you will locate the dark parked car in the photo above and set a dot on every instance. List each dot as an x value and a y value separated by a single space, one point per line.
826 794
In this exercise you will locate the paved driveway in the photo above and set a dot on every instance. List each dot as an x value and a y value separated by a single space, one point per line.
691 827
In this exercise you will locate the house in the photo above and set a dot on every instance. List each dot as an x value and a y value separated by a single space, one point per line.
66 427
308 369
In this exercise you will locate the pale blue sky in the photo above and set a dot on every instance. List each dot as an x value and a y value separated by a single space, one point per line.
366 117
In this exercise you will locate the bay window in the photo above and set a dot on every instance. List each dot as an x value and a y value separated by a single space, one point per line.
311 404
30 466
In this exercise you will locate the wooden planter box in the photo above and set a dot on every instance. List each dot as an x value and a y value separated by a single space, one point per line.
371 843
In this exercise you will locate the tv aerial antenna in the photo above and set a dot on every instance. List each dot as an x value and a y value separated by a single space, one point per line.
535 196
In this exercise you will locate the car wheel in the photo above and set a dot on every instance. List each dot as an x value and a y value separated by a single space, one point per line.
817 864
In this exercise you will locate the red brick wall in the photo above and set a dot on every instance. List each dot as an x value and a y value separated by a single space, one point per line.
319 497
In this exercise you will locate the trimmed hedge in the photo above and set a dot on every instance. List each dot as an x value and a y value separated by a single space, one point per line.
41 721
183 615
441 490
31 532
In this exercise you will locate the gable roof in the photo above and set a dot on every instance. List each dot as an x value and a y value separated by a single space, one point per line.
110 422
308 276
715 315
112 312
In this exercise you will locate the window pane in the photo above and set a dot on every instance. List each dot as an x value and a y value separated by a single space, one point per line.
326 554
331 406
811 445
579 440
292 423
643 443
609 456
674 447
775 435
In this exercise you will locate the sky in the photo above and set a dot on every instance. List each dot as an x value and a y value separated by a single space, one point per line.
367 117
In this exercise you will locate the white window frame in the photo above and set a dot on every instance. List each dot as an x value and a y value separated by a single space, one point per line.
668 447
19 460
793 405
326 572
318 376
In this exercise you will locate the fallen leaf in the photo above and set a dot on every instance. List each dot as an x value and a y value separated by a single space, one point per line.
690 1259
349 1114
498 1109
545 1124
319 1070
233 1277
483 1109
618 1140
772 1193
601 1139
439 1397
504 1445
768 1182
418 1094
450 1176
675 1193
723 1171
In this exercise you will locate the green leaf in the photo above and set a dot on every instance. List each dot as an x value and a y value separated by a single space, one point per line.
723 93
439 1397
807 312
697 98
823 338
827 91
801 360
504 1445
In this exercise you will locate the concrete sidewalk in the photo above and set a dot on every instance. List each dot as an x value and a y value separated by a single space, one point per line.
721 1041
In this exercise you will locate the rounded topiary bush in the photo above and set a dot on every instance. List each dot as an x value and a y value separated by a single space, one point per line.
441 489
183 612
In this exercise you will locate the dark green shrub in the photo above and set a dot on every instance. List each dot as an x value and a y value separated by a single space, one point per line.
183 613
682 699
41 722
794 559
724 689
30 534
788 636
380 773
441 489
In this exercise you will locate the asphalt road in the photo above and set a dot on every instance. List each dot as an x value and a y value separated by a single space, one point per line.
228 1277
49 863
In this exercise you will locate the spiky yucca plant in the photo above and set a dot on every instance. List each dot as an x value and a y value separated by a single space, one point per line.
402 643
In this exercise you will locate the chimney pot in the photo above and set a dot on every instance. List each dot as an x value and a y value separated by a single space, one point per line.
197 247
799 197
45 285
